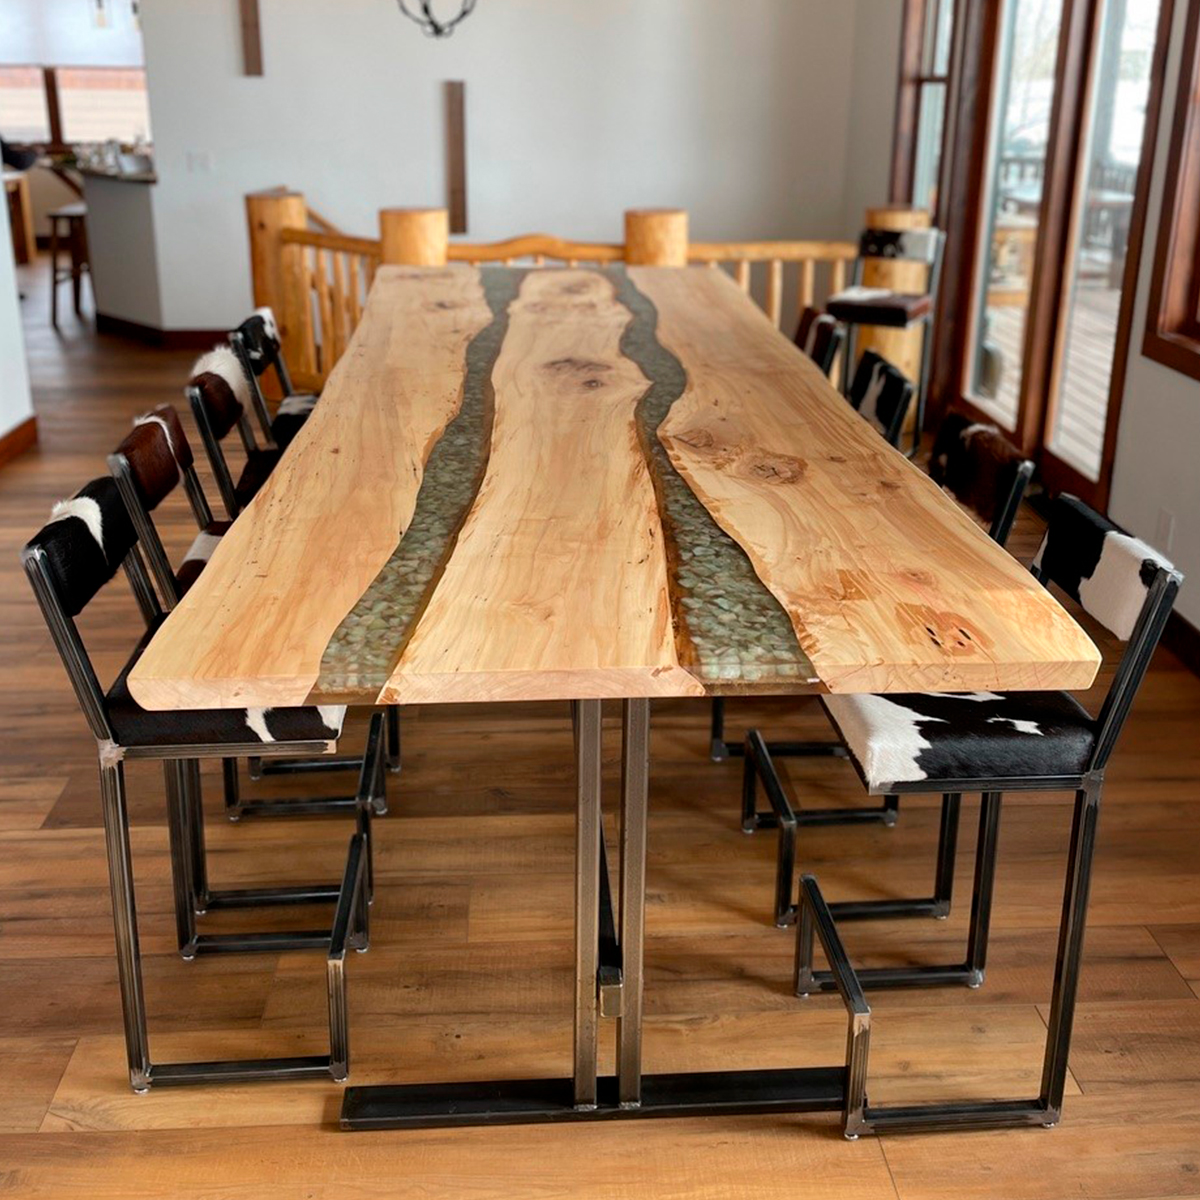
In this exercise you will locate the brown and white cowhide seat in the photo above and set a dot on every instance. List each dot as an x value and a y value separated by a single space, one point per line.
257 343
148 466
219 393
882 394
981 469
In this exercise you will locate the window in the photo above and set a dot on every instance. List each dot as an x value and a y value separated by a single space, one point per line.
24 116
102 103
924 97
61 107
1173 320
1027 51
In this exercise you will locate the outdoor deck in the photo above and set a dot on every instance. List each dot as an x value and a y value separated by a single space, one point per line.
1079 436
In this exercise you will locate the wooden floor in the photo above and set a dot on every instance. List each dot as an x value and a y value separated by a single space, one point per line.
470 968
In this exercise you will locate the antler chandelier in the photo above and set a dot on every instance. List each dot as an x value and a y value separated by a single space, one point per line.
422 12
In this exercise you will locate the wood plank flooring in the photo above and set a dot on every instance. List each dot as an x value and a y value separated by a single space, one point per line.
470 969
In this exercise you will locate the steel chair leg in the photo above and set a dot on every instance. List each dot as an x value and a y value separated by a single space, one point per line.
393 738
985 884
124 908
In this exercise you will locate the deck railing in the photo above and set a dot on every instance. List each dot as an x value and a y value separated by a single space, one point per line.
317 279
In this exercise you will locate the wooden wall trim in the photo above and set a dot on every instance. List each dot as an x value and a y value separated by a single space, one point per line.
17 440
1172 334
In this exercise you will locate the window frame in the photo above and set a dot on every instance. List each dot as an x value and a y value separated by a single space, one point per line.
916 74
1172 335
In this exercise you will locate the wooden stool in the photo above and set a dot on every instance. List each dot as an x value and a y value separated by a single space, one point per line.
75 216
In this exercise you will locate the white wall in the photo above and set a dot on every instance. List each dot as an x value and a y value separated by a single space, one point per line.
1158 441
576 110
62 33
16 405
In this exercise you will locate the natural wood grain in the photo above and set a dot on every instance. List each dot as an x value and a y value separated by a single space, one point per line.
889 586
415 237
656 237
331 513
558 586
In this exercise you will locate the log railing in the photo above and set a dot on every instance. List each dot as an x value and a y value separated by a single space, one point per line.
317 280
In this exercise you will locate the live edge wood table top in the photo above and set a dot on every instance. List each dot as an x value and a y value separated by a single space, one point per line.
581 484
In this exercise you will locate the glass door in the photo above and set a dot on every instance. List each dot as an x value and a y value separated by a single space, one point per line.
1018 148
1097 249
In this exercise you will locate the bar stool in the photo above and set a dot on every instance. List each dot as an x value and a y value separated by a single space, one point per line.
74 217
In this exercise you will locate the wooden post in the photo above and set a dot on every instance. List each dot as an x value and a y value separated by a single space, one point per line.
277 271
415 237
656 237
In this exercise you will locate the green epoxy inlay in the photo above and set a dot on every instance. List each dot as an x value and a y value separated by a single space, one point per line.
730 628
367 645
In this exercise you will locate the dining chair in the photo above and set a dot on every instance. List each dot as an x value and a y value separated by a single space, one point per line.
857 305
820 337
995 743
259 348
219 395
985 473
86 541
151 461
988 476
882 394
1020 741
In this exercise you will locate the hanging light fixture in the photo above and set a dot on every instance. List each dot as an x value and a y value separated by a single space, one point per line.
422 12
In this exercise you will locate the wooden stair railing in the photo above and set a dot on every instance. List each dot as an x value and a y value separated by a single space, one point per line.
317 280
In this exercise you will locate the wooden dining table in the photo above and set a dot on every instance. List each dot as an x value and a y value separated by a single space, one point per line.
582 485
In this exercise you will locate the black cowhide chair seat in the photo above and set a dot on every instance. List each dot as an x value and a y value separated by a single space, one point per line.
133 725
978 735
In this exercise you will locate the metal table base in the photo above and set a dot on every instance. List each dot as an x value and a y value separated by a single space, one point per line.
608 983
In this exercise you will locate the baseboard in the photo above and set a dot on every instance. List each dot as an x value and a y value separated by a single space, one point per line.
1182 638
18 439
168 339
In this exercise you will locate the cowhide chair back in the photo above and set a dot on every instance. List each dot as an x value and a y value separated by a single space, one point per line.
881 393
152 460
259 348
982 470
219 395
820 337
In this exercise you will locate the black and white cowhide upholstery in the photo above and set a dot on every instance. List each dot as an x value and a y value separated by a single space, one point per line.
199 552
258 336
290 417
84 543
133 725
980 735
913 245
1105 569
882 394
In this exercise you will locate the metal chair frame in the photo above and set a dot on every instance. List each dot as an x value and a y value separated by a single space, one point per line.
934 261
168 592
780 814
274 358
1131 670
192 894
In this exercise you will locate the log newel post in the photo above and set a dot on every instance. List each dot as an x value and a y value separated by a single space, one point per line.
656 237
277 270
414 237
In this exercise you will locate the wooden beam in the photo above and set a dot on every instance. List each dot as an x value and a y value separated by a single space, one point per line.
252 56
456 154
